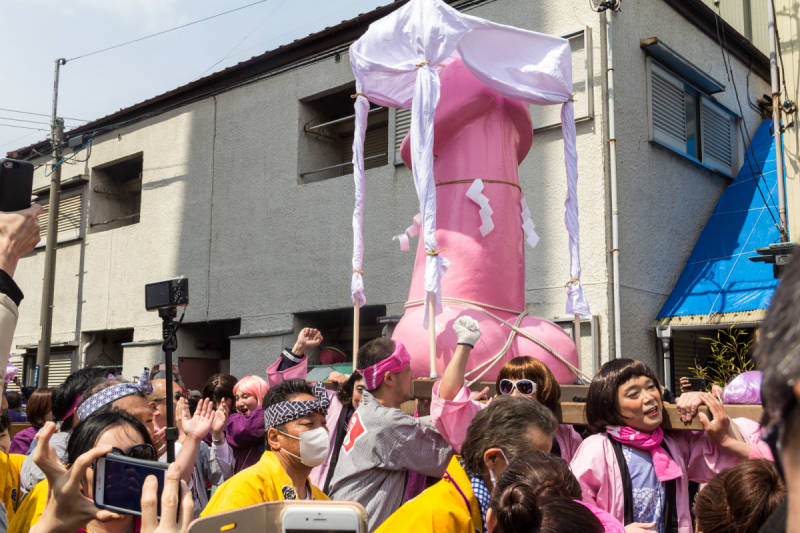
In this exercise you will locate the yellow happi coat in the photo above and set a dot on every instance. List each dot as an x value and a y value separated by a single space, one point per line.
265 481
441 508
30 512
10 465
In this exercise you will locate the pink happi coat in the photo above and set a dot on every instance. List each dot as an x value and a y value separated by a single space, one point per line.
453 417
595 466
275 376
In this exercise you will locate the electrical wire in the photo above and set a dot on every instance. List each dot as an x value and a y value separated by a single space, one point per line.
165 31
23 120
780 54
71 158
39 114
22 127
243 40
17 139
723 42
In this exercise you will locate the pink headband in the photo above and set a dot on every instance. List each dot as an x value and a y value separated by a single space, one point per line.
373 375
72 410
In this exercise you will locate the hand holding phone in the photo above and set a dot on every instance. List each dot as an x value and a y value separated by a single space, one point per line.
174 491
20 231
119 480
16 185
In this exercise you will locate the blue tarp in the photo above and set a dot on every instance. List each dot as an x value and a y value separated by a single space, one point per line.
719 277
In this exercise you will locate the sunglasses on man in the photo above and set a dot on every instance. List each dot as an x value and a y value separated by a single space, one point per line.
525 387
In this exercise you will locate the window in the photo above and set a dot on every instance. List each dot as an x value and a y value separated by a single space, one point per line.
70 210
326 144
686 120
401 123
116 194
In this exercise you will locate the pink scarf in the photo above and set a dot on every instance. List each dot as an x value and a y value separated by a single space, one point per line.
373 375
666 468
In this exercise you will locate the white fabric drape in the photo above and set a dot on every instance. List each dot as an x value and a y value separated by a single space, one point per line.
396 63
357 281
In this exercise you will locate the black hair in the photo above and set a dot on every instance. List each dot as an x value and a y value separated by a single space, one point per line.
219 387
14 399
85 434
5 422
505 424
548 474
65 395
519 510
284 392
602 406
374 352
345 394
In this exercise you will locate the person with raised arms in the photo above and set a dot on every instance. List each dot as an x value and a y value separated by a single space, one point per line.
383 443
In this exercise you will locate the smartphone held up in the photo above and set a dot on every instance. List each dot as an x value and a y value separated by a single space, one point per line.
119 478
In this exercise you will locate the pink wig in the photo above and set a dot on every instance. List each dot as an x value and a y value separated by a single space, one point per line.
253 385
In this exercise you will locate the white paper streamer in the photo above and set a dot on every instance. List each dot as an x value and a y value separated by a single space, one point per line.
475 193
527 224
411 231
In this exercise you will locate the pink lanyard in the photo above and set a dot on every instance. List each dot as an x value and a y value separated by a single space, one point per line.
449 478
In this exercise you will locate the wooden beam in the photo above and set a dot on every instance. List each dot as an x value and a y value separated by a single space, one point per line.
16 427
575 413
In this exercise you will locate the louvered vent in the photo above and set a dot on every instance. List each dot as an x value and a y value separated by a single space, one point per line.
669 114
59 370
69 219
401 126
375 144
716 134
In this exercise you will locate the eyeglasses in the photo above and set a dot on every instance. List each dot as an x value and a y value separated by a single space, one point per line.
176 396
525 387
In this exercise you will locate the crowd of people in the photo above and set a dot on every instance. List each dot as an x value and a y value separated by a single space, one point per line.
462 463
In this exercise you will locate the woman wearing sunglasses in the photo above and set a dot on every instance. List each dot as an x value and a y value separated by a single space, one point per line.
70 507
453 407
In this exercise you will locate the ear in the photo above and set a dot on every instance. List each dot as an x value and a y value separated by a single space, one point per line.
390 378
796 389
152 407
272 439
491 457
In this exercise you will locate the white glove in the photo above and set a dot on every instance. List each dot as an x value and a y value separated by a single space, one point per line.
468 330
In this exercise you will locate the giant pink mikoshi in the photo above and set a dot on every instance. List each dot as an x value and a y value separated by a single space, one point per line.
479 134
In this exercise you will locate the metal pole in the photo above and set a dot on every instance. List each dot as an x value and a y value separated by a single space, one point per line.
576 334
48 287
776 118
612 148
170 343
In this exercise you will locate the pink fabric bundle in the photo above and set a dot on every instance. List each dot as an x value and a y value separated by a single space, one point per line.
11 372
373 375
666 469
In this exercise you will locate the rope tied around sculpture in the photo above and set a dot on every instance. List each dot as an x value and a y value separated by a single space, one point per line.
515 330
358 272
571 281
435 253
418 65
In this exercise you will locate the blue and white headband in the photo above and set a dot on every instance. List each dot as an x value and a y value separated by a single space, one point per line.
283 412
114 393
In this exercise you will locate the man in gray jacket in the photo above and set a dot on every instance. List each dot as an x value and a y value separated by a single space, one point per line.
383 443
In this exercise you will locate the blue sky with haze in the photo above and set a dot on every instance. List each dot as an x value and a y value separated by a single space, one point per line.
36 32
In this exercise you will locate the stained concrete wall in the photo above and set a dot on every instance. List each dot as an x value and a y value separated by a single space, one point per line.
222 204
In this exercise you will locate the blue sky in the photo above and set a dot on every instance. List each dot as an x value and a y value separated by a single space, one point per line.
36 32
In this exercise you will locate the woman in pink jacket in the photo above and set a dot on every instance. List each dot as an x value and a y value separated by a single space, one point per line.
635 471
452 408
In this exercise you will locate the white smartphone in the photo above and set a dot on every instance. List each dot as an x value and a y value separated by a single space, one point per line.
307 519
118 481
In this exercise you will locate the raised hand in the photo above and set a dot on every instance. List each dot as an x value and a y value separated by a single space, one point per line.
68 509
467 330
198 425
219 422
19 235
160 441
338 378
307 339
175 491
481 395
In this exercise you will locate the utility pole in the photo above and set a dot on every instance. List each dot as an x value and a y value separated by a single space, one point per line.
48 287
776 118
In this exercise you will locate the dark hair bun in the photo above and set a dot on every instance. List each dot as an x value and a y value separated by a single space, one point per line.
518 509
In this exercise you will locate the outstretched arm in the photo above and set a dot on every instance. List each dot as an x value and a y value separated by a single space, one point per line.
468 332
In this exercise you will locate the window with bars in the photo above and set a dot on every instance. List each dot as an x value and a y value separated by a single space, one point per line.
689 122
70 217
326 144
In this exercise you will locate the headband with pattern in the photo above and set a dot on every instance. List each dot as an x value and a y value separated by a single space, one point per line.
114 393
283 412
373 375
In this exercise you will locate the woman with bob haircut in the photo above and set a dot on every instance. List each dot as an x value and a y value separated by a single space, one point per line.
634 470
740 500
453 406
39 411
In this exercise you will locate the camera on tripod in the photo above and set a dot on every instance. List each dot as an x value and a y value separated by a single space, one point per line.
168 293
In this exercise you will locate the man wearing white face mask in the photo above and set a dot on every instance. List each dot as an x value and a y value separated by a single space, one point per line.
296 441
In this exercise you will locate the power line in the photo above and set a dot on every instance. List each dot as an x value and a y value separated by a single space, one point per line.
243 40
40 114
22 127
18 139
23 120
166 31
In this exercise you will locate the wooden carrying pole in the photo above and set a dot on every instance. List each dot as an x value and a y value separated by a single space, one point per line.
356 323
576 334
432 330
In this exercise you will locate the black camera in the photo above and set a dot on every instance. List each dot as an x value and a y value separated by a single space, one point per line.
166 294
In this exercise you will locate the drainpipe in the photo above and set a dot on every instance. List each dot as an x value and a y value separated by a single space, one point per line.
612 148
776 118
86 349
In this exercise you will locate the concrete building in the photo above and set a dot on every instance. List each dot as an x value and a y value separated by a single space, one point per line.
220 181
